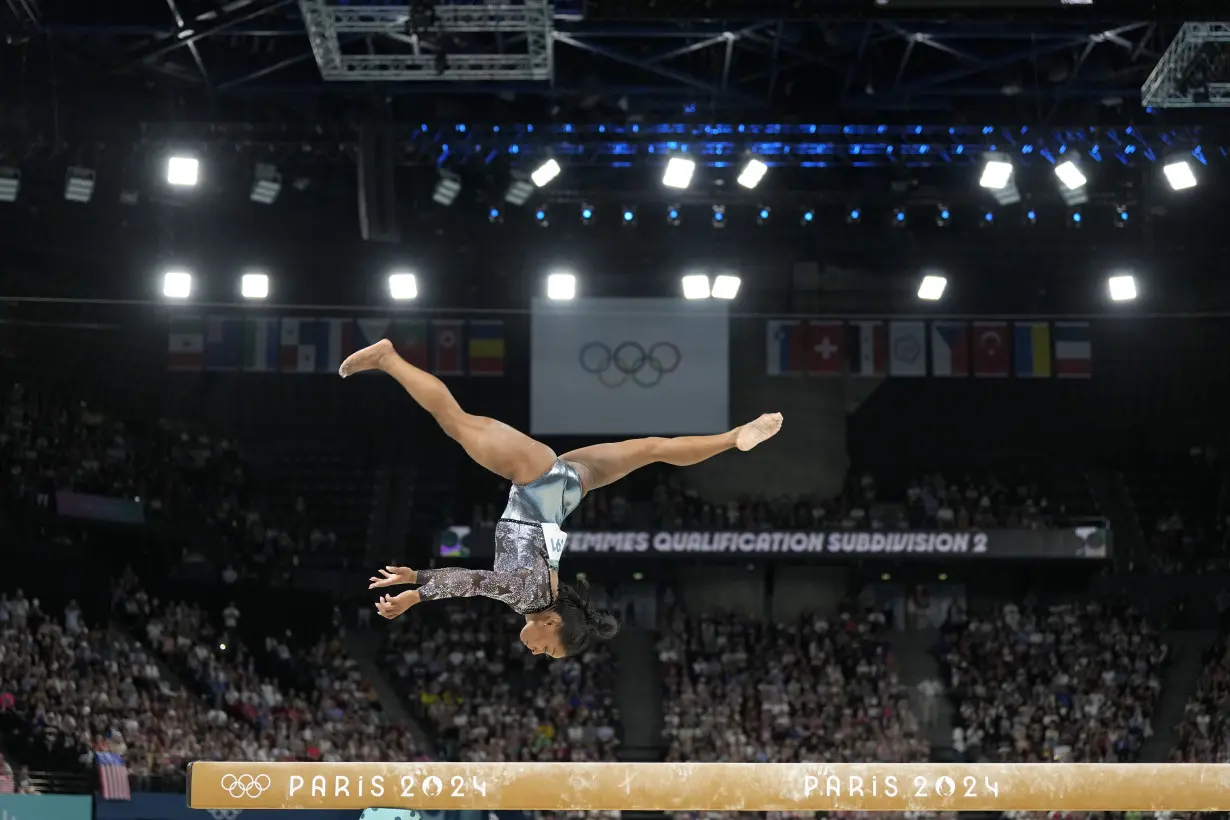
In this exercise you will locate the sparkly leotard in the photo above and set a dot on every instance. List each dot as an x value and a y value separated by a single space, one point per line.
521 576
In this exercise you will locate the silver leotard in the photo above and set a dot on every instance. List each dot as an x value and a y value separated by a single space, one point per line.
521 576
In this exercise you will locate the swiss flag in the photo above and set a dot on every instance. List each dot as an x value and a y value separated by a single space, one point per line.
824 348
992 355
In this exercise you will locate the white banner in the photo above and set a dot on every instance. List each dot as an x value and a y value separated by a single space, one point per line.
629 367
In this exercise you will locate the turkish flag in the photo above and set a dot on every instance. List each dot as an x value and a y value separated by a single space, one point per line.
824 348
992 355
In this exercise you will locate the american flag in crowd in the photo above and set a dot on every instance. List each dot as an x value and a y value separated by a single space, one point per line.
113 776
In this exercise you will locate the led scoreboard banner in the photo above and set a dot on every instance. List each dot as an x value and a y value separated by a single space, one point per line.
894 787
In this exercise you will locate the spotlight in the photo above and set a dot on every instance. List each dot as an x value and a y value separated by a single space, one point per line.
854 216
1031 217
183 171
997 178
719 216
519 191
988 219
561 286
403 286
809 217
10 184
254 286
1075 219
753 172
726 286
932 288
540 216
1122 288
674 215
546 172
678 172
942 216
1179 174
494 215
762 216
587 214
696 286
447 188
1070 175
267 184
1072 179
177 284
899 217
1121 216
628 217
79 185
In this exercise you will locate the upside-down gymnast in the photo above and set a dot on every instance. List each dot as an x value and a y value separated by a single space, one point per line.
559 619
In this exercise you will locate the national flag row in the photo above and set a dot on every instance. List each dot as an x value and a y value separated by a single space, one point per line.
446 347
991 349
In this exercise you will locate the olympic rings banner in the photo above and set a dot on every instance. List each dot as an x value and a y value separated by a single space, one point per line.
1076 543
629 367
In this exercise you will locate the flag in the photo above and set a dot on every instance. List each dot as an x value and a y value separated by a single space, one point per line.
1073 350
409 336
786 347
223 343
486 348
113 776
186 345
907 343
949 349
990 342
1032 350
298 346
446 347
824 341
261 342
340 340
867 348
370 331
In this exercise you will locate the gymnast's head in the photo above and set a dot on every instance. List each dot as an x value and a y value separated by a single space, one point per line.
570 627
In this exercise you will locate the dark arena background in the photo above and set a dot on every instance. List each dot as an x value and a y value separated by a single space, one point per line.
975 254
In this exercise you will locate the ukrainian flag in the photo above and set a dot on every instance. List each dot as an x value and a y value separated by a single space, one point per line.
486 348
1032 350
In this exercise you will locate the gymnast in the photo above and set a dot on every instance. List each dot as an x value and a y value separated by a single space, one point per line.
559 619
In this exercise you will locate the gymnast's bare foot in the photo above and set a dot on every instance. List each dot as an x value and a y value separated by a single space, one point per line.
369 358
758 431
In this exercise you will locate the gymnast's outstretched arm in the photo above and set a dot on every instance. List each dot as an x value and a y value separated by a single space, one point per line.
457 582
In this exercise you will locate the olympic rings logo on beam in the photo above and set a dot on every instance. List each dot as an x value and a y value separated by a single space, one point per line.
629 361
246 785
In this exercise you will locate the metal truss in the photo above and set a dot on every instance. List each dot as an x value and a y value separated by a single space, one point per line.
1179 79
424 55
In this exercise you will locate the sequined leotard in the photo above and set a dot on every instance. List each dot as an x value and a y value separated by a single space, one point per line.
521 577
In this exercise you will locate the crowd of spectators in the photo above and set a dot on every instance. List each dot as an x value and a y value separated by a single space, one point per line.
1204 734
485 698
1075 682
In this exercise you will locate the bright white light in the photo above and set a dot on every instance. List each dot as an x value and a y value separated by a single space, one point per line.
403 286
752 173
183 171
254 286
1122 288
932 288
1070 175
995 174
678 172
561 286
177 284
725 286
1180 175
546 172
696 286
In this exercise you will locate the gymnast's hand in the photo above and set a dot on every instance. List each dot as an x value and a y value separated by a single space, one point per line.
393 576
390 606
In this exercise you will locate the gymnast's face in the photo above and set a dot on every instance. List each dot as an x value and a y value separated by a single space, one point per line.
541 634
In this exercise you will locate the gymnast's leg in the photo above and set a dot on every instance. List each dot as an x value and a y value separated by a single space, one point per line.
603 464
494 445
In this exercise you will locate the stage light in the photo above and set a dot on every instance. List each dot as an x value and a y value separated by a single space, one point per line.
996 173
719 216
254 286
540 216
628 217
1121 216
519 191
809 217
899 217
932 287
1072 179
561 286
988 219
183 171
79 185
1122 288
942 216
403 286
177 284
1070 175
10 184
674 215
1179 174
494 215
267 185
447 188
725 286
753 172
1031 216
678 172
546 172
587 214
1075 219
854 216
696 286
762 216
